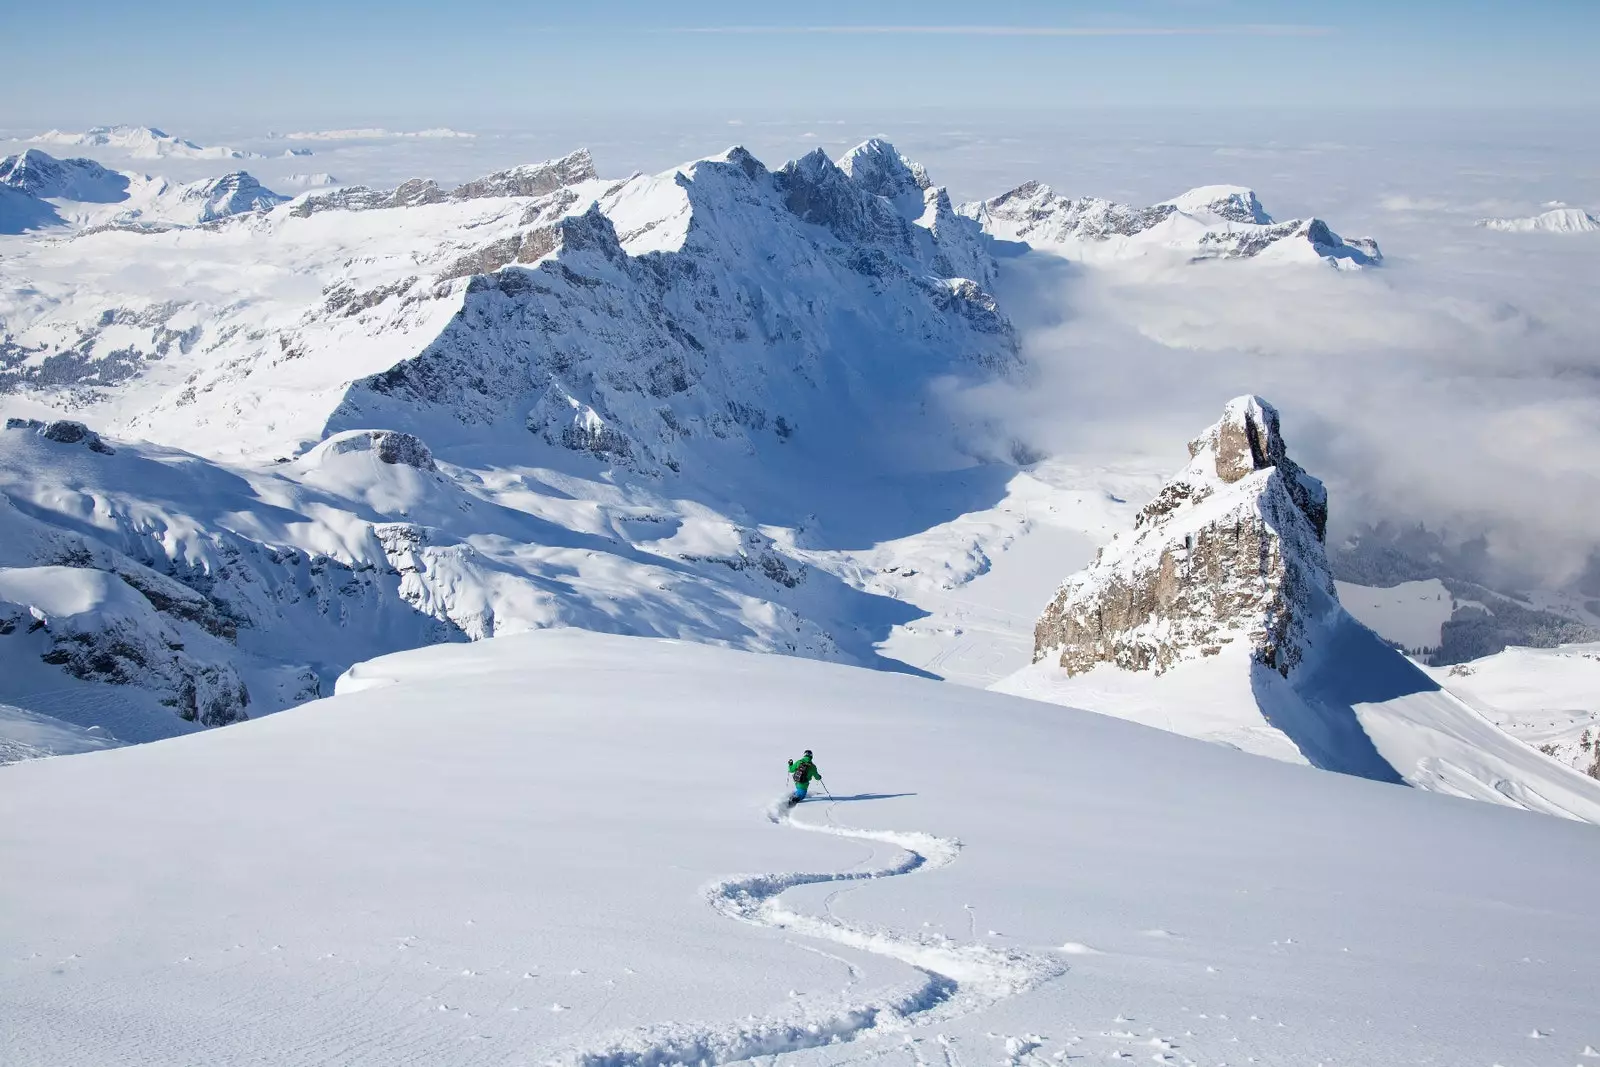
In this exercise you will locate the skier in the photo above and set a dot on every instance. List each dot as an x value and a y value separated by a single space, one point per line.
802 770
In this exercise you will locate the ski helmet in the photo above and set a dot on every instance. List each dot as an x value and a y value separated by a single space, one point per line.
808 753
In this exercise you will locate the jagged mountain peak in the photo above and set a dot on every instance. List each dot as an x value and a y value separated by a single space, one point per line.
526 180
1218 617
1230 548
878 168
1249 438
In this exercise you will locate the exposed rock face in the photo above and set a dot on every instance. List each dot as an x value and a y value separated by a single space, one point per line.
531 179
528 180
1230 549
64 432
98 626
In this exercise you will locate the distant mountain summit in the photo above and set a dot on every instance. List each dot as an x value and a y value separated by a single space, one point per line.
140 142
46 177
1556 220
232 194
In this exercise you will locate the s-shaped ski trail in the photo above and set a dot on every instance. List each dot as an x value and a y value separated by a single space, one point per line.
954 979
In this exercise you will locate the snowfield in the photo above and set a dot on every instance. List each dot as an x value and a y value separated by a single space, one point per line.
1410 613
1547 697
564 847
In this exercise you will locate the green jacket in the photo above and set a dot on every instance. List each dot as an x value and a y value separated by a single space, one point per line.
802 770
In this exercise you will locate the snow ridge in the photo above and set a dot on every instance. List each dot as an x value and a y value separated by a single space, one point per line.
957 979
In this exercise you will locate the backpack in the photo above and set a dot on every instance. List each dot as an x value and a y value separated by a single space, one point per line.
798 769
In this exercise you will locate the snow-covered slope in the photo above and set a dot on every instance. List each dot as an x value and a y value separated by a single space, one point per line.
561 848
1556 220
1218 618
1547 697
1211 222
30 735
207 593
21 213
138 142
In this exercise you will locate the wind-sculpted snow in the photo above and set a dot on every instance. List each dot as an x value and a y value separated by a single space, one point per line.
957 979
1211 222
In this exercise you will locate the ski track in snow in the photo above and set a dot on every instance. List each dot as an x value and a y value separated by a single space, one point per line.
956 979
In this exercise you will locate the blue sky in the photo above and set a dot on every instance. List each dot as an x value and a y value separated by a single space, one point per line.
464 61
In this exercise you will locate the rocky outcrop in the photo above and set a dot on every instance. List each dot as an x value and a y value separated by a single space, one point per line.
389 446
1231 549
99 628
64 432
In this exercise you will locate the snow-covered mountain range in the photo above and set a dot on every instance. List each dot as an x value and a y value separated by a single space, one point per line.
82 193
638 387
1211 222
695 404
